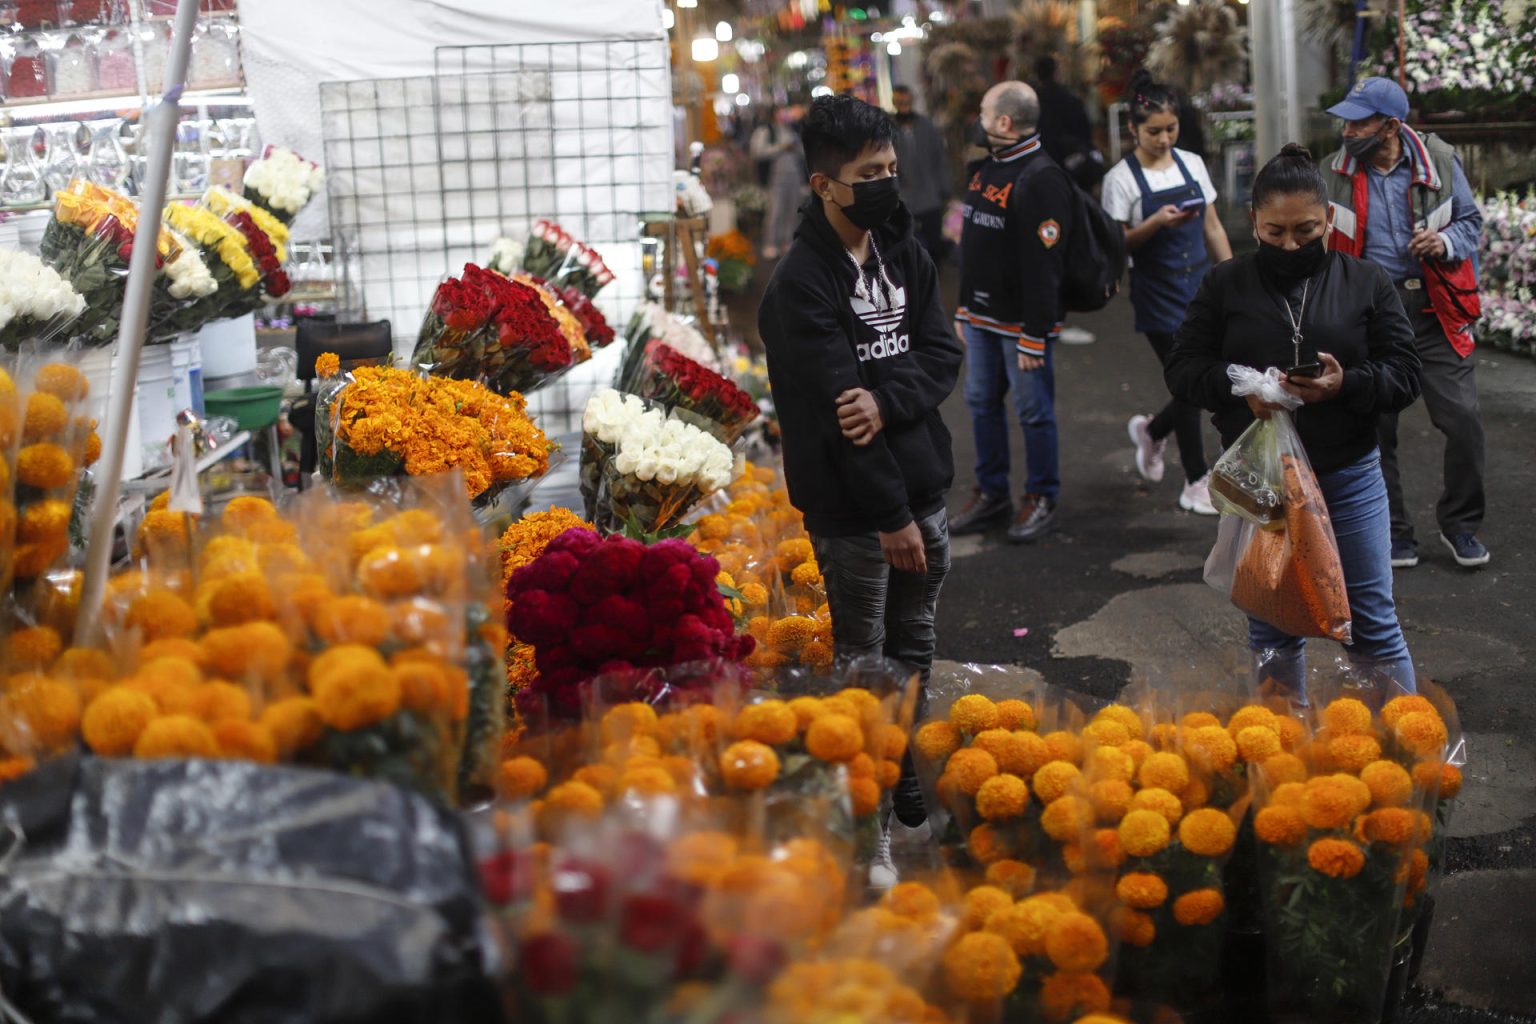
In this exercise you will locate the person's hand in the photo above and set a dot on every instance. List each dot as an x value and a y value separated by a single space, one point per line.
1261 409
904 549
1324 386
1172 216
1427 245
1029 364
858 414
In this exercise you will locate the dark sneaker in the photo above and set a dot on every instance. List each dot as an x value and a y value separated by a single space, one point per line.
1037 516
1469 551
1405 553
982 512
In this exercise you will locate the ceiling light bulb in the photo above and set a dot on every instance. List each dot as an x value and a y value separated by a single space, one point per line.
705 49
723 31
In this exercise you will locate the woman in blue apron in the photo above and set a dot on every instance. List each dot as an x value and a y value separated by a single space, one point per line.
1164 196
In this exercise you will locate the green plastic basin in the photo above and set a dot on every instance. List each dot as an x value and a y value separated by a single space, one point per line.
252 408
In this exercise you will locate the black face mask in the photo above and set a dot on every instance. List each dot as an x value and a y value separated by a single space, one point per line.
983 138
1287 266
873 202
905 116
1363 147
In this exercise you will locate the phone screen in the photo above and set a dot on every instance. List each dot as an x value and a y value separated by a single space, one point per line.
1305 370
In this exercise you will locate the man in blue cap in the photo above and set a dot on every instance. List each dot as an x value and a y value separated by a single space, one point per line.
1401 200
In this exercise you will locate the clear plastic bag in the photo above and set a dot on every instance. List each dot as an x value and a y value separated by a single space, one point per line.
1289 577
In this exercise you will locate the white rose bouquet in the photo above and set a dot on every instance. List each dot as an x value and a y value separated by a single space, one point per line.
642 470
283 182
176 303
36 302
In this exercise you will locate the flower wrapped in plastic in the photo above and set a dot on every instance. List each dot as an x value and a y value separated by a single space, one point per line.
652 322
486 327
593 324
266 238
570 326
282 182
227 255
521 543
592 606
89 241
554 255
36 303
382 422
711 401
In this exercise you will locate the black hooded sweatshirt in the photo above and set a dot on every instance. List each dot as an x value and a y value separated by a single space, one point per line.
829 327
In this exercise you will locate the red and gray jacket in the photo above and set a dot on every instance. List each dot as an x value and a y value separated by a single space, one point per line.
1452 285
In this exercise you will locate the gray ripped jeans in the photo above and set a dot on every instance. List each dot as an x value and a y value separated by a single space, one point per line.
878 610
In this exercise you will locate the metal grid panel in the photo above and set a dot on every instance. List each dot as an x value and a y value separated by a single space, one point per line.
425 174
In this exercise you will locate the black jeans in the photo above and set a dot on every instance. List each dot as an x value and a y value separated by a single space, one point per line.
1179 418
877 610
1450 397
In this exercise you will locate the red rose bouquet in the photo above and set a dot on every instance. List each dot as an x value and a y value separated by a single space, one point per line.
483 326
714 402
591 607
593 323
555 255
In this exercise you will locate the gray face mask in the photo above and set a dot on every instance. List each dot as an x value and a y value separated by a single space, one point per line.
1363 147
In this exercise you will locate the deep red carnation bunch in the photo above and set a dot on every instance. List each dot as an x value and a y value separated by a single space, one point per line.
593 324
593 607
485 326
678 382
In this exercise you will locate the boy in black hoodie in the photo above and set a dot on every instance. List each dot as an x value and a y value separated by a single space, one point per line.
861 355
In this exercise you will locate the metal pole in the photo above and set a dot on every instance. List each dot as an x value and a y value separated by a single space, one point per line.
161 133
1402 44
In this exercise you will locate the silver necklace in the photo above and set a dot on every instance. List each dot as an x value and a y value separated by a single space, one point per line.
1296 319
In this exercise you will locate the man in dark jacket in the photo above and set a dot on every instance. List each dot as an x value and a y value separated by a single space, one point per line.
1064 126
861 356
1019 209
924 171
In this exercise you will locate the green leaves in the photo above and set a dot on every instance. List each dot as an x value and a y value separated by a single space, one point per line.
635 531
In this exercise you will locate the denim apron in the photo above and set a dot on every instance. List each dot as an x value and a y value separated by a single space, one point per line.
1167 271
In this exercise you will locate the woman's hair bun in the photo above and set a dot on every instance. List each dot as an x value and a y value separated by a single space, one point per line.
1296 149
1141 80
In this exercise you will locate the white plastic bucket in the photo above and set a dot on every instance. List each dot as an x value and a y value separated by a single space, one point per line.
190 349
157 404
229 346
97 365
181 375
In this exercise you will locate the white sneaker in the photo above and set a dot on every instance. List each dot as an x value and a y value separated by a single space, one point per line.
1149 453
1196 497
909 835
1075 336
882 870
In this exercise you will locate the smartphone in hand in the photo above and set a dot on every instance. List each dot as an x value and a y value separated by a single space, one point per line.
1305 370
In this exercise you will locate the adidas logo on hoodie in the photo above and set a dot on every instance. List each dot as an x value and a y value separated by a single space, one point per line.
884 322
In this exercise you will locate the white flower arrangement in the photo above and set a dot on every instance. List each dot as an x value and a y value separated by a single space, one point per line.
284 181
649 445
679 334
1507 260
692 198
189 275
506 256
1465 46
35 301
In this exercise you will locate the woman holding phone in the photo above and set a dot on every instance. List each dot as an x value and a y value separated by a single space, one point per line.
1335 326
1164 197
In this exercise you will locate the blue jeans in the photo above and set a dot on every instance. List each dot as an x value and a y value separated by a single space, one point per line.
992 368
1357 503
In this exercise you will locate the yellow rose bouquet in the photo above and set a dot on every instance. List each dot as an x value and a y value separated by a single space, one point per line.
227 255
1344 827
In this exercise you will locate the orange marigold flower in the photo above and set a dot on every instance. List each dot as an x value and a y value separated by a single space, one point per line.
1347 716
1328 804
575 798
1054 780
246 740
835 737
327 364
1258 743
892 741
1075 942
80 663
161 614
912 900
1445 779
749 764
1421 733
216 701
1110 763
1024 925
1164 770
1392 825
44 466
1135 929
254 651
1210 748
1006 748
647 780
969 768
888 773
1397 707
1144 833
355 694
424 688
1352 753
974 713
45 418
1111 798
981 903
1279 825
245 511
1013 876
294 723
1106 732
1337 858
864 795
113 721
1126 717
352 619
1389 782
35 647
1283 767
936 740
1002 797
38 715
1207 832
1253 715
770 721
985 845
1289 794
1200 907
15 767
176 736
241 597
1015 714
63 381
1067 996
1142 890
981 967
1064 746
45 521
